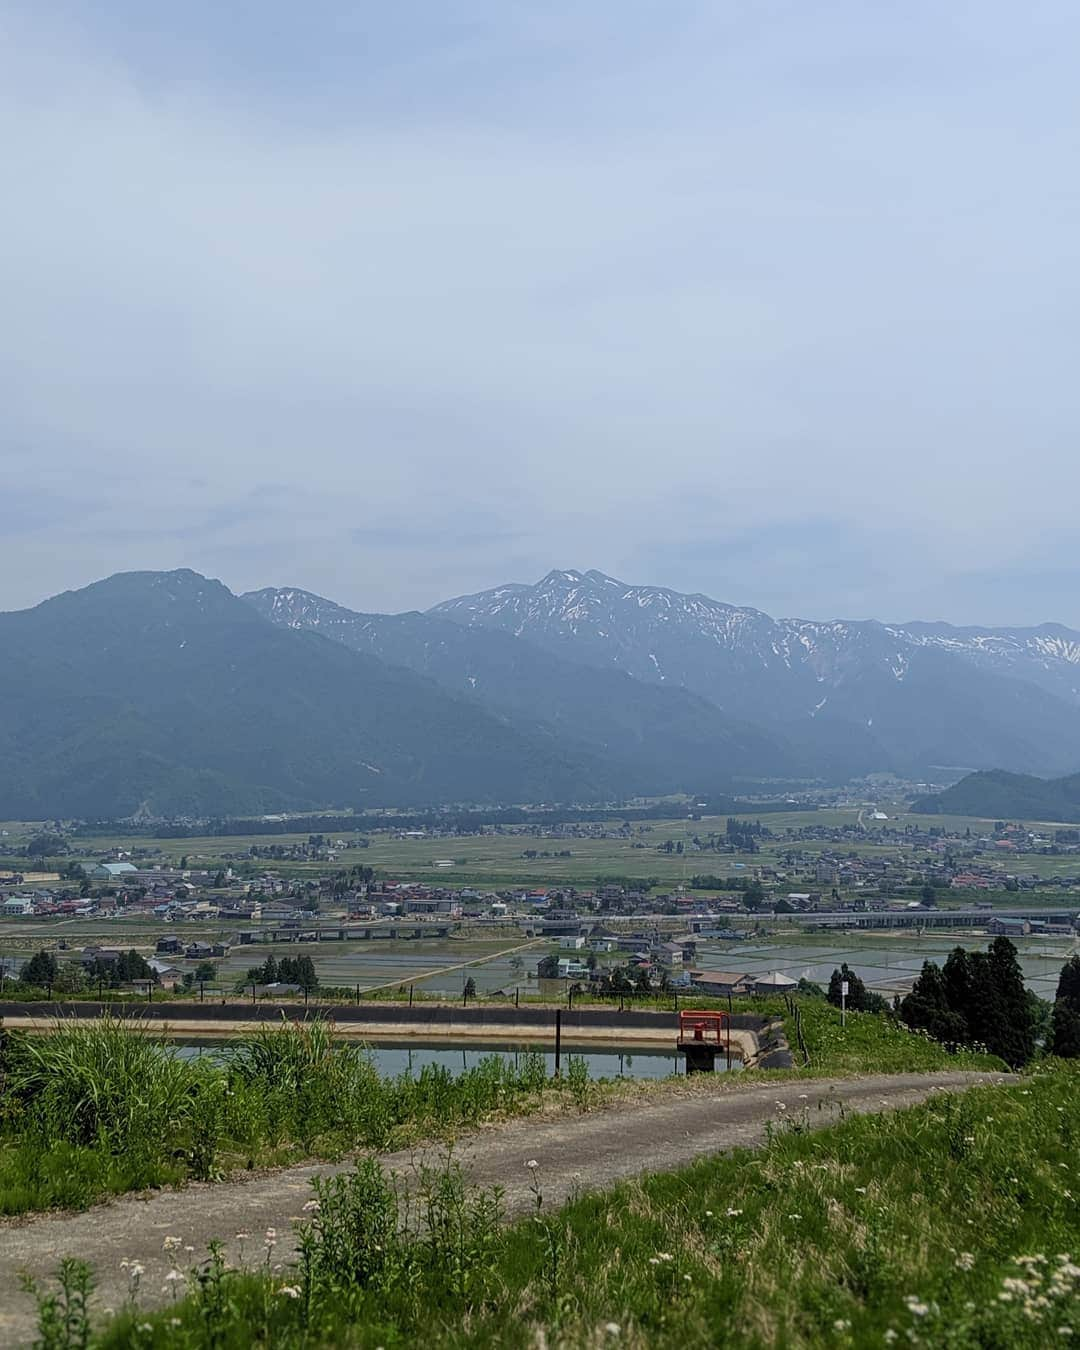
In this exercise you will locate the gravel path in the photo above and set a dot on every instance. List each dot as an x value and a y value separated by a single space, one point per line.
594 1150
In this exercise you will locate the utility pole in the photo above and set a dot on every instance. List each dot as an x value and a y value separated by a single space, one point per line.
843 1002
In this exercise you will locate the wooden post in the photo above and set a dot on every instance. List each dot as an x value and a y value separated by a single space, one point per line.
202 990
558 1042
410 995
253 991
358 994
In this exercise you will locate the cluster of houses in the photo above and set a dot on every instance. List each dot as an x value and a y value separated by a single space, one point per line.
673 959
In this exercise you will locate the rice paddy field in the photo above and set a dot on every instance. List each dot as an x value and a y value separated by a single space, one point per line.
499 859
887 961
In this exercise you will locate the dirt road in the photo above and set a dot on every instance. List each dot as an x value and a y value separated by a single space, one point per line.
593 1151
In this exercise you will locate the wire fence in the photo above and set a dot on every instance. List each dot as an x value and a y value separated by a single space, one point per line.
795 1015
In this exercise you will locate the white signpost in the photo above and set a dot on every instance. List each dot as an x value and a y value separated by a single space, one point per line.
843 1002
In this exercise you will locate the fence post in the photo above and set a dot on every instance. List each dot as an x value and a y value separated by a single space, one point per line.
558 1042
410 995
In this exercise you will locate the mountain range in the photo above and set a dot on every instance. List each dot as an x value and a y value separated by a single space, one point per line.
165 692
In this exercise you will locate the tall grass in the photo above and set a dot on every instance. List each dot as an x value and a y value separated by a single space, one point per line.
94 1109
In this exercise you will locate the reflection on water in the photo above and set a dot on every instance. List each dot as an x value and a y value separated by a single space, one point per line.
394 1059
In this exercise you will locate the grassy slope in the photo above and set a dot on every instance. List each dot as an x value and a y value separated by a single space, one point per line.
871 1043
951 1224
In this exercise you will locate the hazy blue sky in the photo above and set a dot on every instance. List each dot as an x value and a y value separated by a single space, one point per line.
775 300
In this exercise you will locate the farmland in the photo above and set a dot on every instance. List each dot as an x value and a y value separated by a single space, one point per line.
503 859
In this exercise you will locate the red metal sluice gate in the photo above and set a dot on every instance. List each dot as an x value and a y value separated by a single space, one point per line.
702 1036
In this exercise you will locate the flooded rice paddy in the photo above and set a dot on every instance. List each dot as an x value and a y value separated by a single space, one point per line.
886 962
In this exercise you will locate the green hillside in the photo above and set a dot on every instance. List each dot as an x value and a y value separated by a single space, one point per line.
998 795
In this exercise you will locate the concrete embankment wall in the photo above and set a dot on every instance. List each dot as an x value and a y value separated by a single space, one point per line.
386 1021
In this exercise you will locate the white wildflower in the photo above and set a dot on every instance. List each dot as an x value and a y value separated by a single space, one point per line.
965 1261
532 1164
289 1291
311 1206
612 1328
171 1244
